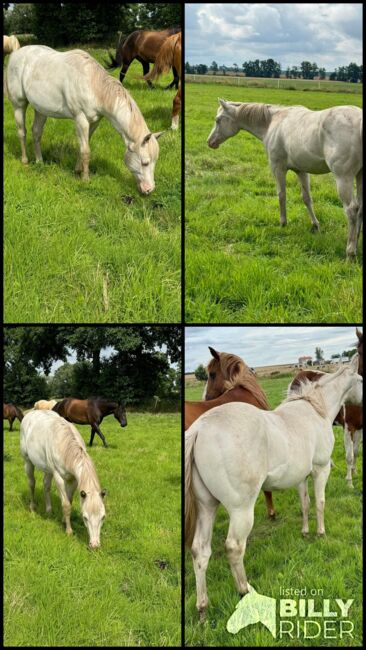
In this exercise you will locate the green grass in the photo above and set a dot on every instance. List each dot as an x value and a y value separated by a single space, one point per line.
92 251
288 84
241 266
56 591
277 556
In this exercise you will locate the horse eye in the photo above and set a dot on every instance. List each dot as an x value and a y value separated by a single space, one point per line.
212 375
145 164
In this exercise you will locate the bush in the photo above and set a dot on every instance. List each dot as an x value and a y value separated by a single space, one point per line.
201 373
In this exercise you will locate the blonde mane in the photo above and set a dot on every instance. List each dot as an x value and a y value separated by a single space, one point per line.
75 456
237 374
310 392
256 114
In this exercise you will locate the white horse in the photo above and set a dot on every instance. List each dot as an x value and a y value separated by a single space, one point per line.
55 447
73 85
305 141
44 404
11 44
234 451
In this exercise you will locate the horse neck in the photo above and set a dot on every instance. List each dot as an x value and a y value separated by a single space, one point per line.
107 407
333 394
259 130
240 394
127 119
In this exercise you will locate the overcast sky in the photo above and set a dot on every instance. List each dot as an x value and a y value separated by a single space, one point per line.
328 33
265 346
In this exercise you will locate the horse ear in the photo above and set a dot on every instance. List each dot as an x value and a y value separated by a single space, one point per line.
131 147
83 494
216 355
223 103
359 334
158 134
103 493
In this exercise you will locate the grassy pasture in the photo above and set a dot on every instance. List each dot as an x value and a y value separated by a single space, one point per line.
97 251
241 266
57 592
277 556
289 84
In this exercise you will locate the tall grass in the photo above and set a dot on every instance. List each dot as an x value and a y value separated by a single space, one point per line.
56 591
241 266
96 251
277 556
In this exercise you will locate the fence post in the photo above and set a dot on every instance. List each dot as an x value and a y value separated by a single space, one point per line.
278 83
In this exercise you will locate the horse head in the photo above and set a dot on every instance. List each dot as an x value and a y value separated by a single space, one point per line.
120 414
93 513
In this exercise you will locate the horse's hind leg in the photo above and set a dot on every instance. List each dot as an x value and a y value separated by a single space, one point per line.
47 480
359 188
176 110
280 176
351 208
175 82
37 130
269 503
305 503
241 523
304 179
146 69
19 115
29 468
320 475
201 545
348 446
123 70
357 436
11 420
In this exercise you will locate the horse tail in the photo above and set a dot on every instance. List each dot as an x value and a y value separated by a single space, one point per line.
117 60
165 58
190 504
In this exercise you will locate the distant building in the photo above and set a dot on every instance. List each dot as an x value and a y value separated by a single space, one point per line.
305 361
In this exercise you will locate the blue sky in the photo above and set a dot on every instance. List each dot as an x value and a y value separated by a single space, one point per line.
328 33
261 346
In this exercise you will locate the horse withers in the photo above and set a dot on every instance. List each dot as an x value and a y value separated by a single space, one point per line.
10 413
91 411
306 142
54 446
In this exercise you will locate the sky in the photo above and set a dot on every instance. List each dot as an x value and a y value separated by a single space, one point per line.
265 346
329 34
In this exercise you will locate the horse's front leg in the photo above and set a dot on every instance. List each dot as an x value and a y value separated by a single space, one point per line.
270 506
351 208
96 428
320 475
146 69
11 420
280 176
305 503
357 437
37 130
19 115
65 501
82 130
348 446
304 180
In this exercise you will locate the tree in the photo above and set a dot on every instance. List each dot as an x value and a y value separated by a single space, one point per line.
235 68
201 373
322 73
353 73
214 67
19 18
288 73
202 68
319 354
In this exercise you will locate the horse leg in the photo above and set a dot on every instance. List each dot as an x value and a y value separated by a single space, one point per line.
280 176
304 180
100 435
92 434
241 523
348 445
146 69
123 70
65 501
37 130
82 130
29 469
47 480
320 476
351 208
175 82
270 506
305 503
201 545
19 114
359 191
357 437
176 110
11 420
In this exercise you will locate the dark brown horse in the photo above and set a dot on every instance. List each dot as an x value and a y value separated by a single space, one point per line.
11 412
142 45
350 417
91 411
229 380
170 56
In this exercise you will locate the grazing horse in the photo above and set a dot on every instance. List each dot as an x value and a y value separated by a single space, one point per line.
142 45
307 142
55 446
91 411
350 416
11 44
170 55
233 451
229 380
11 412
44 404
73 85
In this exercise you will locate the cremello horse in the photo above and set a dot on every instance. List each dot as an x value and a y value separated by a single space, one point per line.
235 450
307 142
11 44
44 404
55 446
73 85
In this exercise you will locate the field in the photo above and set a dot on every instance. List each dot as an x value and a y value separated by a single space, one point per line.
98 251
56 591
290 84
241 266
278 557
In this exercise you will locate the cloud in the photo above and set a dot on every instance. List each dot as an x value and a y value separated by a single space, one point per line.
328 33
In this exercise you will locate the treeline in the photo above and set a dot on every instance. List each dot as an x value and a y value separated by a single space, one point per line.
272 69
133 364
64 23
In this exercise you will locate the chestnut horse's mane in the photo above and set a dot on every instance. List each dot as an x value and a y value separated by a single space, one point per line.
238 374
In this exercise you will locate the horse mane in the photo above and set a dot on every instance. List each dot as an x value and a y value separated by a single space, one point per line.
238 374
309 391
256 114
74 454
165 57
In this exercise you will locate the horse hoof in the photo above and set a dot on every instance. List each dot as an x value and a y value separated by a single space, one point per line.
69 532
202 614
305 534
272 515
320 534
283 224
314 228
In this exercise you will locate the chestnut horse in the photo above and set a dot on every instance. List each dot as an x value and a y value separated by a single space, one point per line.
170 55
350 417
142 45
91 411
229 380
10 413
